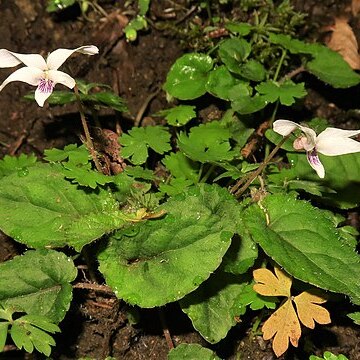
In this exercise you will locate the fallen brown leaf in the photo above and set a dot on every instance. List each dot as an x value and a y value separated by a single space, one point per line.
355 7
343 41
284 324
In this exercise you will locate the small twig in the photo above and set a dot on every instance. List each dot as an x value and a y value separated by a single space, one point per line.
258 171
293 73
95 287
144 106
165 329
89 143
188 13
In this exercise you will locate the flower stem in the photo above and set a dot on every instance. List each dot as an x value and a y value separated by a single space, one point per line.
257 172
88 141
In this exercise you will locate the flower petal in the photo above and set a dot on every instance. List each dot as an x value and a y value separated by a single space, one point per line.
10 59
59 56
285 127
332 142
41 96
315 163
59 77
25 74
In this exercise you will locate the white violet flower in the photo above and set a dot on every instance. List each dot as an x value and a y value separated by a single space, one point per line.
40 72
330 142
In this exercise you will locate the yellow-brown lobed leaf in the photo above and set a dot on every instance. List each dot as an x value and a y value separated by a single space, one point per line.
284 324
308 309
268 284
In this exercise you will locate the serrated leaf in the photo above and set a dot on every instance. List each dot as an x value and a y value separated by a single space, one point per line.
39 338
138 140
191 352
342 176
16 164
268 284
212 307
239 27
253 70
179 115
148 264
305 241
138 172
355 317
20 338
254 300
41 322
176 186
285 92
248 104
207 143
44 209
187 78
38 283
181 166
4 325
328 356
72 152
233 52
220 82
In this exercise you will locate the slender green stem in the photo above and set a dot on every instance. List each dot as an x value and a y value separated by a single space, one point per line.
280 64
262 166
88 141
208 173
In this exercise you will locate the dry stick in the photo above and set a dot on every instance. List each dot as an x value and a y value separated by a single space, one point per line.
89 143
260 168
143 107
95 287
165 329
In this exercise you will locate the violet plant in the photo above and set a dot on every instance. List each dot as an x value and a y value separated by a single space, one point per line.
192 234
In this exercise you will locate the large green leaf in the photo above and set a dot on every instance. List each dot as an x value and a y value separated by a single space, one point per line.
187 78
38 283
340 185
43 209
159 261
212 308
191 352
233 52
305 241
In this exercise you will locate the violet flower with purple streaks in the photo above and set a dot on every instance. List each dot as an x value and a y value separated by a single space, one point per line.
330 142
40 72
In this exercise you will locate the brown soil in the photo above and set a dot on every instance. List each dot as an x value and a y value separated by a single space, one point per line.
97 324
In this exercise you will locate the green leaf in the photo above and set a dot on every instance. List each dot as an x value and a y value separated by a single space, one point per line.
72 152
40 339
3 334
148 264
179 115
138 172
85 175
328 356
220 82
41 322
286 92
20 337
305 242
43 209
38 283
207 143
248 104
16 164
342 175
293 45
191 352
330 67
175 186
253 70
233 52
240 28
212 307
143 6
187 78
138 140
181 166
56 5
108 99
355 317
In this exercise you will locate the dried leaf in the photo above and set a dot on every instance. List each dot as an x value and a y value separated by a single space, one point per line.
270 285
343 41
308 310
355 7
284 324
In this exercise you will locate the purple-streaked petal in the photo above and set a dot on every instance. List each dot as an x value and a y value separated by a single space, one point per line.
315 163
59 56
25 74
41 95
10 59
59 77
